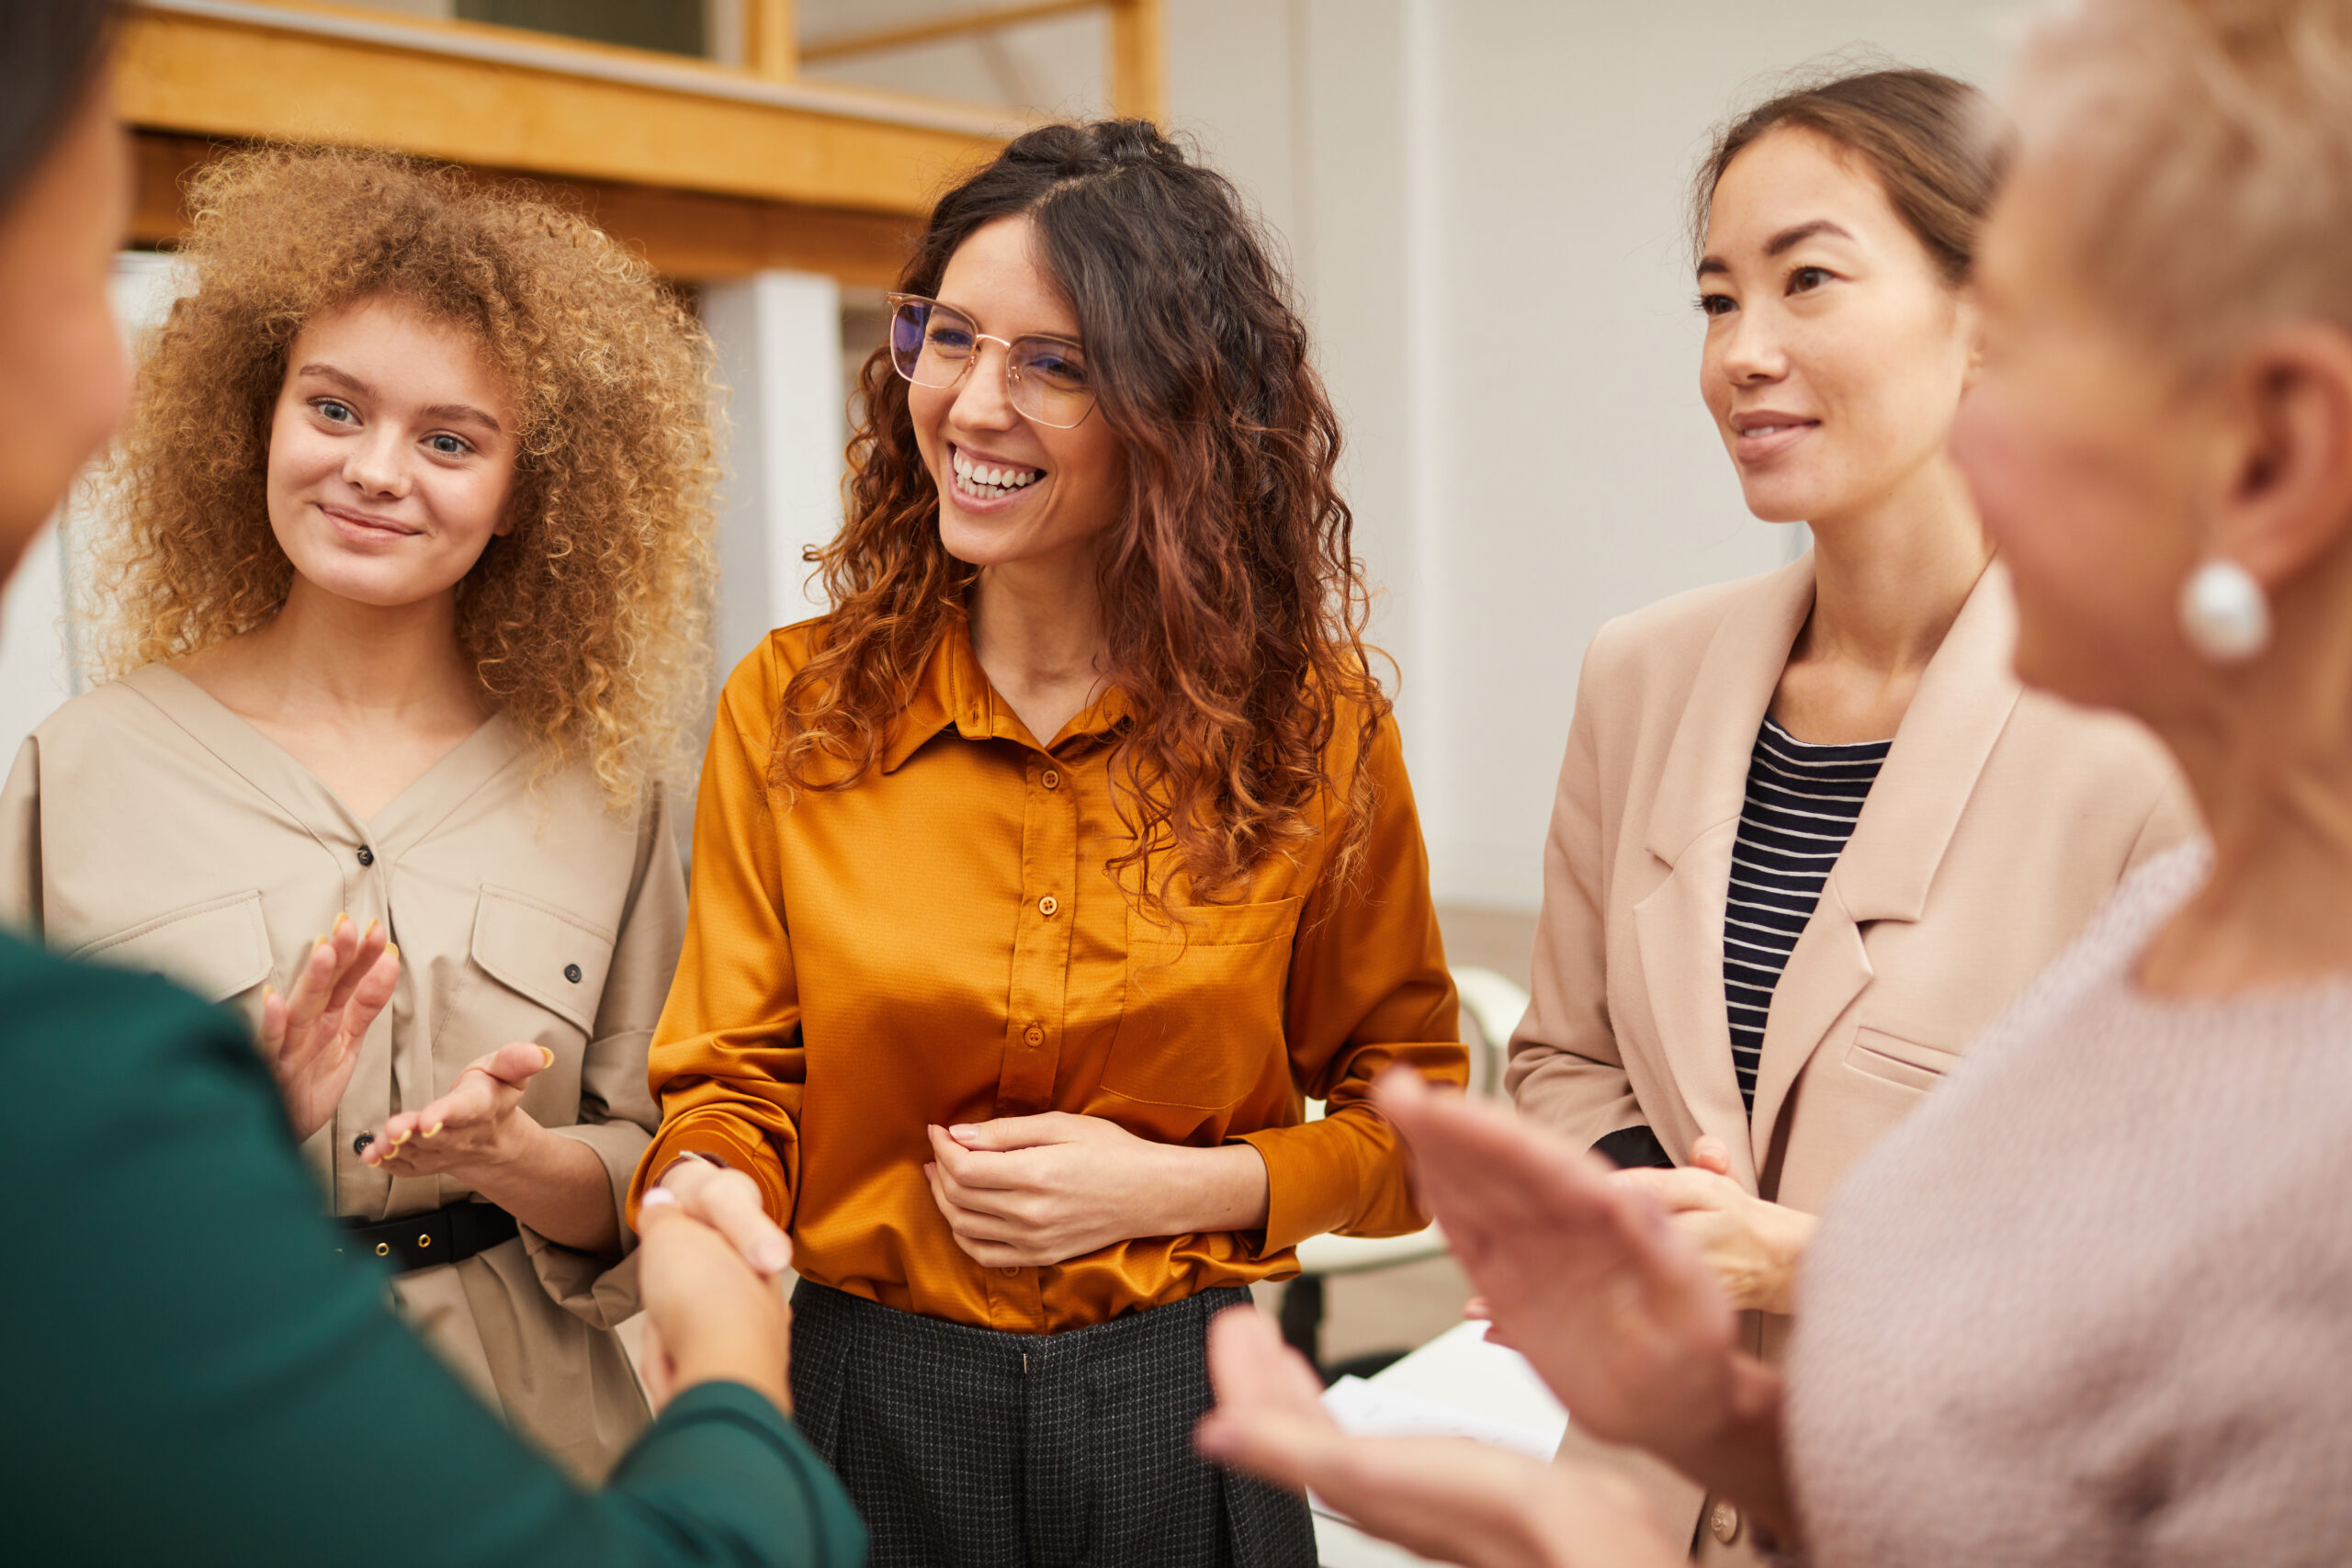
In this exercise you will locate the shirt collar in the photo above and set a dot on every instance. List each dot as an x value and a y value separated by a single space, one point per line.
954 692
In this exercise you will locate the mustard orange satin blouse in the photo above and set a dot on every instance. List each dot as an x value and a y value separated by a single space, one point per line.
942 942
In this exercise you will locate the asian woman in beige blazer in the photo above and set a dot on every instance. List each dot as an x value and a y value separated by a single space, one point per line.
401 602
1718 728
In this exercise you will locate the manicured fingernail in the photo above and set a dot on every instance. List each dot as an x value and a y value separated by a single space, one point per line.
393 948
656 1197
398 1141
434 1131
551 1058
961 1132
771 1256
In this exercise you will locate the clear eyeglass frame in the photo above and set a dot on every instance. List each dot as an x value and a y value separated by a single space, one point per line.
1036 390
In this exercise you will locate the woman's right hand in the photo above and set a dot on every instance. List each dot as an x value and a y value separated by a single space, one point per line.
710 1317
311 1035
1443 1497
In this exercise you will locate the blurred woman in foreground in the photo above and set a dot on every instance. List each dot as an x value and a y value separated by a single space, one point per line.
2086 1305
199 1379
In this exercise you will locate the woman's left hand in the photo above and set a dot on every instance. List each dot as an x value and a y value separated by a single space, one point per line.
1753 1247
1032 1190
478 1124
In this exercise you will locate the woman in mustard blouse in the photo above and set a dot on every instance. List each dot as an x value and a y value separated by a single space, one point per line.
1038 886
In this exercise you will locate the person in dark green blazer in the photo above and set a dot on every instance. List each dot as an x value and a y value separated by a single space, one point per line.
194 1374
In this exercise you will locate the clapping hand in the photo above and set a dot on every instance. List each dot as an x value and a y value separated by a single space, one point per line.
1443 1497
1589 1279
312 1034
477 1123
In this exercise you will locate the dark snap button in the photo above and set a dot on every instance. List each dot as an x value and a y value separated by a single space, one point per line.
367 855
571 973
360 1144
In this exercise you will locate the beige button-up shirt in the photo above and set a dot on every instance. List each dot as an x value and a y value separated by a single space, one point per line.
146 825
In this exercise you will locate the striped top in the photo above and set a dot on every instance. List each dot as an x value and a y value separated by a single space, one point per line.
1800 808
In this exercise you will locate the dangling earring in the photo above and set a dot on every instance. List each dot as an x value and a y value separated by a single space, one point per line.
2224 612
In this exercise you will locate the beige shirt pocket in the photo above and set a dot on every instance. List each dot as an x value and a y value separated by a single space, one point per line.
218 949
1893 1060
1204 996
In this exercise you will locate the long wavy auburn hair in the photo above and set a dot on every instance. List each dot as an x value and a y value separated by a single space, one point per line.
1233 604
588 624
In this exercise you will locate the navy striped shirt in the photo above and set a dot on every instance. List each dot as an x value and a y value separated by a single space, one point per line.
1801 804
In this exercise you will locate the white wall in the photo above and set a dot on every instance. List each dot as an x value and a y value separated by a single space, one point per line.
1440 166
38 654
779 340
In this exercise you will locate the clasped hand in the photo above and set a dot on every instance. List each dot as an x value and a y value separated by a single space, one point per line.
1030 1191
1753 1246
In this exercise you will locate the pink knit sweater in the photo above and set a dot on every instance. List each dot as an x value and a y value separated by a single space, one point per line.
2092 1303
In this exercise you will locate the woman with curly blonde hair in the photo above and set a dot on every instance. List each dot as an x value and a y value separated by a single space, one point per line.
1039 885
401 621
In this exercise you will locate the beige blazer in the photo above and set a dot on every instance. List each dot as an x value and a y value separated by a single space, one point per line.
146 825
1999 822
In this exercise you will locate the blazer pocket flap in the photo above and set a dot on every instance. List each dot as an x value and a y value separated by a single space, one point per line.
555 958
1218 925
1905 1062
216 949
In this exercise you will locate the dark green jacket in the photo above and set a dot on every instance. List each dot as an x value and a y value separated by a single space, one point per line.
192 1376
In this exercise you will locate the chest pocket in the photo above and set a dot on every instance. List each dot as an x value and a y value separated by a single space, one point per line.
216 949
1204 1001
547 955
1905 1062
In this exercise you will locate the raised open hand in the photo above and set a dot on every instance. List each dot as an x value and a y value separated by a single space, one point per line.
312 1034
1588 1279
1446 1498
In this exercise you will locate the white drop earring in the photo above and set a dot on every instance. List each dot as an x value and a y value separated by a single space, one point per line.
2224 612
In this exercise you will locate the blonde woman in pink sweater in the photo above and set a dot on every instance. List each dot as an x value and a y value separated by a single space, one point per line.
2092 1303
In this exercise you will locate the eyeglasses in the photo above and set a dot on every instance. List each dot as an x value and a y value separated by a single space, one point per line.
933 344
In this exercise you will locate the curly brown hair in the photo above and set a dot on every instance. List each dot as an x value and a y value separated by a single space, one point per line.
588 624
1233 603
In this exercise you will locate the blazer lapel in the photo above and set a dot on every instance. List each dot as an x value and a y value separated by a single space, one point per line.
1963 702
1694 819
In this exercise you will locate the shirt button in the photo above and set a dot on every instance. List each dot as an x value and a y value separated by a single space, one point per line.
1052 779
1035 1035
1047 905
571 973
1724 1523
360 1144
1010 1274
367 855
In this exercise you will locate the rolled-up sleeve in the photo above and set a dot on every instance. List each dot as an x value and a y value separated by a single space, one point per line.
727 1065
1368 987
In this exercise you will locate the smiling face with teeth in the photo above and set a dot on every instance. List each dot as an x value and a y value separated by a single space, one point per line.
1014 495
1837 352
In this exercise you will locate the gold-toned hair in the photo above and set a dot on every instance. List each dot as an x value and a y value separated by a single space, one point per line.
2206 151
588 623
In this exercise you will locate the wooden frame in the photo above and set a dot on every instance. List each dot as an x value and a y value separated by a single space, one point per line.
501 98
682 234
1137 62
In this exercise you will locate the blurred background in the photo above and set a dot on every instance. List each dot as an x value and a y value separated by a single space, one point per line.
1484 203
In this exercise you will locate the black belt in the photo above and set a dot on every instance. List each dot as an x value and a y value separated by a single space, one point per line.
449 1235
